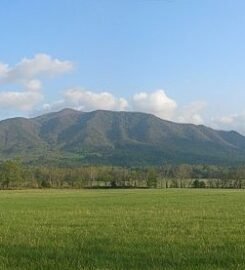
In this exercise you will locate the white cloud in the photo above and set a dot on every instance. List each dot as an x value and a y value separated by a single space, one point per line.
33 85
23 101
3 69
230 122
28 73
88 101
157 103
85 100
31 68
191 113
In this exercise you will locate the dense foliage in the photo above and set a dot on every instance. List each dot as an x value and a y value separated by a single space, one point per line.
13 174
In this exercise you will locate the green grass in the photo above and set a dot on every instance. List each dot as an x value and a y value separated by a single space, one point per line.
122 229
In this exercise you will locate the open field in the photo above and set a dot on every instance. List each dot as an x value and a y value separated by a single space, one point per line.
122 229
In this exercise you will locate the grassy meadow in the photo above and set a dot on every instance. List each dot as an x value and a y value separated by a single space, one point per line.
122 229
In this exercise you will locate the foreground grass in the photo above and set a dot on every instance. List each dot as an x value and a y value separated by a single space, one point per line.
122 229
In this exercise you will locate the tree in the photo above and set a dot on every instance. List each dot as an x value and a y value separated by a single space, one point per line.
198 184
183 172
11 172
166 172
152 178
239 175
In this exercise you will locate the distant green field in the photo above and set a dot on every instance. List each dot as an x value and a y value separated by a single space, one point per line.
122 229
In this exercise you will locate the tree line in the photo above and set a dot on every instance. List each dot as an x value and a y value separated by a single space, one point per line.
13 174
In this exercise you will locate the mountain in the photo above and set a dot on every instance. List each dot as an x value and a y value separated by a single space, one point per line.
117 138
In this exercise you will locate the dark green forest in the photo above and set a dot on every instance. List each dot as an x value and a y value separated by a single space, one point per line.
15 175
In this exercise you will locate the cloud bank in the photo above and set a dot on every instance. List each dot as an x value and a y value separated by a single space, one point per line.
23 101
155 102
27 96
41 65
230 122
27 75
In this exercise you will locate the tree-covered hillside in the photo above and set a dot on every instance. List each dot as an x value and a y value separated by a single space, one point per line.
117 138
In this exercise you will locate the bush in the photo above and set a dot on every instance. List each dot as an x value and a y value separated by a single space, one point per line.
198 184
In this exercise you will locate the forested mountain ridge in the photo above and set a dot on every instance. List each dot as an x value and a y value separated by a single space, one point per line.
117 138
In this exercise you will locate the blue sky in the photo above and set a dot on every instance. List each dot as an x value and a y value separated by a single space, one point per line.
181 60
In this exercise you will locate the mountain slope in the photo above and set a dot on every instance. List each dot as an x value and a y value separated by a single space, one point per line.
122 138
20 136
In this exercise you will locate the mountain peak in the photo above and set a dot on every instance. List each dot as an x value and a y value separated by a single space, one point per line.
68 110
